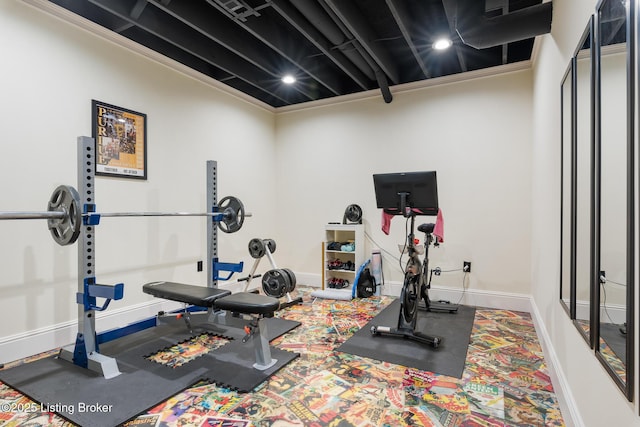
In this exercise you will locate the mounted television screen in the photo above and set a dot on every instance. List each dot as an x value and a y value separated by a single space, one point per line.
417 190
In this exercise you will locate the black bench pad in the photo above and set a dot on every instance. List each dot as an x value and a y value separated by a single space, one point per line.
201 296
248 303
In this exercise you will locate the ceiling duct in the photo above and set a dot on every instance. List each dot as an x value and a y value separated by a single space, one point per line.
315 13
323 17
479 31
235 9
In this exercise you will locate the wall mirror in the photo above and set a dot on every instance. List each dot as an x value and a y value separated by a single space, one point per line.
614 237
566 168
583 208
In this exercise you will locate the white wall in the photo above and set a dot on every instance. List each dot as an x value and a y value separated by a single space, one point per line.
475 134
597 400
51 70
614 178
498 173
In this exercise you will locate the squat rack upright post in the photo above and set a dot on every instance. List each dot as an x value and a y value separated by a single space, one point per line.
214 266
85 352
212 230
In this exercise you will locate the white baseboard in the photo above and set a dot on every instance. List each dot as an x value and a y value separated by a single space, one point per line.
561 387
476 298
471 297
18 346
37 341
308 279
611 313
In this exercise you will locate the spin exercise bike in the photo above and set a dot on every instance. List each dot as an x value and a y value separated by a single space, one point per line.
411 194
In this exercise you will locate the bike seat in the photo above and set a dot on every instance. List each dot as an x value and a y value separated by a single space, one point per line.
426 228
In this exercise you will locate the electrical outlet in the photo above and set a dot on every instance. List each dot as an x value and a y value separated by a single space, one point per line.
199 266
466 266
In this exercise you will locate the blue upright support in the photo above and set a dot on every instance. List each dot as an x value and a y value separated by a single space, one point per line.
217 267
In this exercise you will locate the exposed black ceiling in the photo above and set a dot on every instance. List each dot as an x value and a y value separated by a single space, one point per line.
332 47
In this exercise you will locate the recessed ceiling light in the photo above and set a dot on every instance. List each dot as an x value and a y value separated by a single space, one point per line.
288 79
442 44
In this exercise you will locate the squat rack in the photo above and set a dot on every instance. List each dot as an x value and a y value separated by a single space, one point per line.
85 352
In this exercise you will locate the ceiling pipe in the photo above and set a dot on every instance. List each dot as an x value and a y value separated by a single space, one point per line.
381 78
314 36
319 18
402 17
349 16
380 75
329 24
480 32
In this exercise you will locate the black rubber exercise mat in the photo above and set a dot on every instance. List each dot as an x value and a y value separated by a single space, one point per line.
448 359
87 399
615 339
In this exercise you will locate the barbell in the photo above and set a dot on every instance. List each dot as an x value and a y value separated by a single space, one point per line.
65 217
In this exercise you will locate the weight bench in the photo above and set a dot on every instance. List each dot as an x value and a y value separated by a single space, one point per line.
258 307
200 296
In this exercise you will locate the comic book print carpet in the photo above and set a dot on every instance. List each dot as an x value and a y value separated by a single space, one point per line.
184 352
505 382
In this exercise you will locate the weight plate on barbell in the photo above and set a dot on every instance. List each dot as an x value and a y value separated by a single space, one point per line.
233 211
256 248
275 283
292 279
65 230
271 244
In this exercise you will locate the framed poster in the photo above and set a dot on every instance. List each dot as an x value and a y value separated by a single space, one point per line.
121 141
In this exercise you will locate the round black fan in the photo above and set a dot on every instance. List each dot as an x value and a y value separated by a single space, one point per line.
353 214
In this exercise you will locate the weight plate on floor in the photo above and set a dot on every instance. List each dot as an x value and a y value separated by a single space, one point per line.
292 279
256 248
271 244
65 230
275 283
